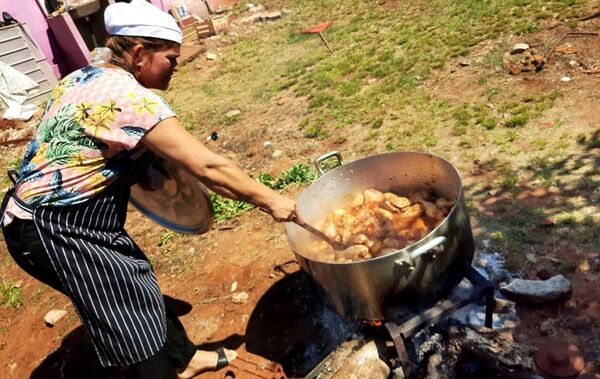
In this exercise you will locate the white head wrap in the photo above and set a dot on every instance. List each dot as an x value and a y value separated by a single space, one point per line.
139 18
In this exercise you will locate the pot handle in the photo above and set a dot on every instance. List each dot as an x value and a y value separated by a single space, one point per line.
435 245
324 157
404 265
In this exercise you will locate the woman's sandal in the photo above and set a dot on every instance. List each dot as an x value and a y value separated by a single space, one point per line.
222 360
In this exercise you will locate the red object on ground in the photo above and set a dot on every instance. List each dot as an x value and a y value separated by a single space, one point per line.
252 366
559 359
318 28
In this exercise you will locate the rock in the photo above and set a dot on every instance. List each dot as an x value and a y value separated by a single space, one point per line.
277 154
513 69
519 48
52 317
547 327
261 17
270 16
538 292
234 286
211 56
267 144
581 326
538 59
233 113
364 364
240 298
504 306
565 79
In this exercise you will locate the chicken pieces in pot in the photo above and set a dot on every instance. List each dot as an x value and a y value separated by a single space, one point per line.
376 223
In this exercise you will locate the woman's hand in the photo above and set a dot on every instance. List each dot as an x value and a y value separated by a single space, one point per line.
282 209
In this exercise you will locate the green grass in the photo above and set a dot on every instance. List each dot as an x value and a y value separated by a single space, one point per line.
226 209
378 91
10 295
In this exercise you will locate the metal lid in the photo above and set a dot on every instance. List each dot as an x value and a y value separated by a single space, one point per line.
172 197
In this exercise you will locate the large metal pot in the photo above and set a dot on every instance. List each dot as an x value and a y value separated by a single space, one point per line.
411 278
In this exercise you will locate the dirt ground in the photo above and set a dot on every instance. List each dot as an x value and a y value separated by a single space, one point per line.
204 275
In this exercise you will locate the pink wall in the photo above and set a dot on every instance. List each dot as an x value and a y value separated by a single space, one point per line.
163 4
29 12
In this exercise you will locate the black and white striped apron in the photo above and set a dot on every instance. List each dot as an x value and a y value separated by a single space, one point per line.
110 281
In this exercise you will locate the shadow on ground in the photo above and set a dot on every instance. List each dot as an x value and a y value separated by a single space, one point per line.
546 203
290 326
76 357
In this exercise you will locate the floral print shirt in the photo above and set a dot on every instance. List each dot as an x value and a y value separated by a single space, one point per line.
90 130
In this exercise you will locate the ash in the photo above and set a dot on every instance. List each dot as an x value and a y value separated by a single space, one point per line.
491 266
336 330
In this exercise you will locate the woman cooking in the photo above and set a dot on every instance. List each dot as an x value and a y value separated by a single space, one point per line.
63 221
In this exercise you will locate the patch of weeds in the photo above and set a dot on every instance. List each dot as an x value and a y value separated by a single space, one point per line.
508 181
488 123
297 174
152 260
303 123
587 183
377 123
406 82
226 209
525 28
267 179
190 121
10 295
594 141
539 143
462 114
431 140
349 88
558 123
39 291
371 135
319 100
338 140
230 120
164 239
518 120
542 169
459 129
368 147
465 142
294 37
316 131
491 92
511 135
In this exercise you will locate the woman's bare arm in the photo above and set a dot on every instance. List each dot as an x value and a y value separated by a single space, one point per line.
171 141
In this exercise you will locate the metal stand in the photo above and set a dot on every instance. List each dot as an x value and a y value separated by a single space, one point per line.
401 334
